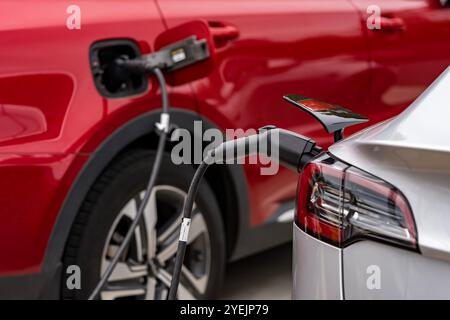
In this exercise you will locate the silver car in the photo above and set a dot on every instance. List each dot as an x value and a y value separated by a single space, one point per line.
373 214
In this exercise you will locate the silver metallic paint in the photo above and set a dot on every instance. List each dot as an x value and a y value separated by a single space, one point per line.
412 152
403 274
316 268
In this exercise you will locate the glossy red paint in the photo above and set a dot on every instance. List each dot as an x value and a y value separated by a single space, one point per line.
52 118
314 48
405 61
52 115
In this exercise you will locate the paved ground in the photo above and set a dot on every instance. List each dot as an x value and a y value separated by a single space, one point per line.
263 276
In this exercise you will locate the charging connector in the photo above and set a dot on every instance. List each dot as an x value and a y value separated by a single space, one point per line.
293 151
170 58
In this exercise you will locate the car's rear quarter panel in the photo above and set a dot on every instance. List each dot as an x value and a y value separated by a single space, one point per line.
412 153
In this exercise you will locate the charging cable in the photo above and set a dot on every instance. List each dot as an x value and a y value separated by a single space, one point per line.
173 57
163 128
293 151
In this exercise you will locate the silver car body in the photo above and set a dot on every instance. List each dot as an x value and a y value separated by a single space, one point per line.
412 152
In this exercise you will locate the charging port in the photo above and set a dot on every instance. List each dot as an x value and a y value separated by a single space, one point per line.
110 80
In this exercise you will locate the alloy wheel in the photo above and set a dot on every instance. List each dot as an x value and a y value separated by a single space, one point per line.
145 269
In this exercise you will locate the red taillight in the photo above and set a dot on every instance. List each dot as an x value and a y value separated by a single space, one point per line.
340 204
319 203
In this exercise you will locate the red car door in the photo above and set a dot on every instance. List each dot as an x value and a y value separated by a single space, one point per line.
269 48
410 47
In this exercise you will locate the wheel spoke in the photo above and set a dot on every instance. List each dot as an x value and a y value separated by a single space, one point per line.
151 289
184 293
199 283
170 229
168 251
138 238
150 219
198 226
130 211
166 278
123 271
114 292
112 250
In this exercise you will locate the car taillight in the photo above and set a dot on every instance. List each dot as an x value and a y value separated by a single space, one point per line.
340 204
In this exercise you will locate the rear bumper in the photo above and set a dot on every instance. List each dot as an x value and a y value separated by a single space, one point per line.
402 274
365 270
317 268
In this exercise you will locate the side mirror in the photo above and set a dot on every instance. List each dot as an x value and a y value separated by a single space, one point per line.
197 30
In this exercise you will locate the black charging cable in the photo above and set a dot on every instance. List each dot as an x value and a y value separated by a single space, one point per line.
213 156
184 232
292 150
163 128
175 56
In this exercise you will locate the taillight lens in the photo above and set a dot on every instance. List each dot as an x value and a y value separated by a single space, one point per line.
319 208
340 204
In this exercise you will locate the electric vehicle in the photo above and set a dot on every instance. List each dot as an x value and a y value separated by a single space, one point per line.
372 215
77 142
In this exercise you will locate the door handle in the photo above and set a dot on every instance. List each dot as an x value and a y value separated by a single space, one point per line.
391 24
222 32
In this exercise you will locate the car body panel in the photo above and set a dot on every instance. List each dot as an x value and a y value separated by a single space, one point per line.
402 274
321 271
313 47
53 118
316 268
412 153
404 62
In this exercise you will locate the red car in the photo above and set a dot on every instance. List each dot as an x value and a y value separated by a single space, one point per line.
75 154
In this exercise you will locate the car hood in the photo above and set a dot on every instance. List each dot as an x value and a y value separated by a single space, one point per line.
412 152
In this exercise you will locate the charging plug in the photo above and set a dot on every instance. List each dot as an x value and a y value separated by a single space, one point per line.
292 150
170 58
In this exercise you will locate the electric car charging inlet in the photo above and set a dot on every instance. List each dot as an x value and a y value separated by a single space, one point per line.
174 56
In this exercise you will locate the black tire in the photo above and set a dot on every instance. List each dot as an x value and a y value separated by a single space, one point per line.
123 179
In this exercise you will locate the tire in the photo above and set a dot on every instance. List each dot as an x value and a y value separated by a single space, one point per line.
108 209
